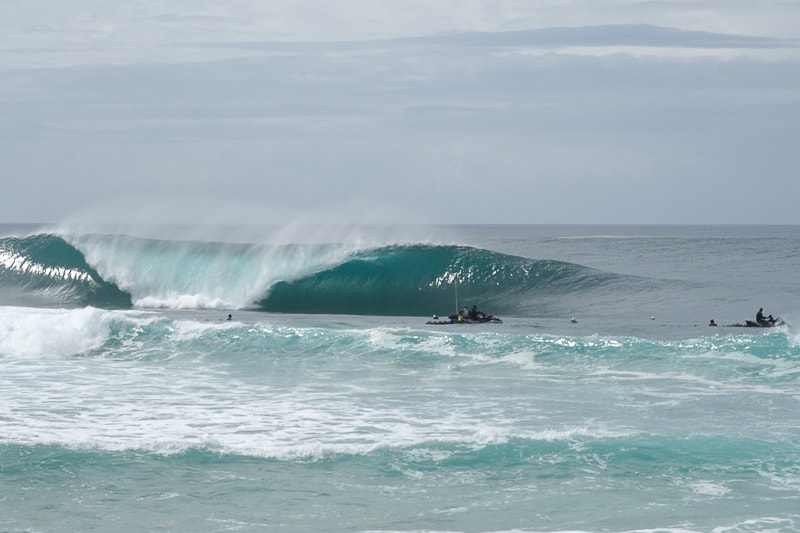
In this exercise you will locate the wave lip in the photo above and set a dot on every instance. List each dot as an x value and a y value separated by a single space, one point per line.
44 270
121 271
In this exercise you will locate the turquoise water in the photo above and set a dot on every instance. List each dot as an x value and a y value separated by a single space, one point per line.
328 404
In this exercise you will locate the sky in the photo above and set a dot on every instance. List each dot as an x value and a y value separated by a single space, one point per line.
426 112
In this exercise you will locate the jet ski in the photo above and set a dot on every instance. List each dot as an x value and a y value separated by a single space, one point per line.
765 324
460 319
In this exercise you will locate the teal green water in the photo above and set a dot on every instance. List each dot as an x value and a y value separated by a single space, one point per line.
638 417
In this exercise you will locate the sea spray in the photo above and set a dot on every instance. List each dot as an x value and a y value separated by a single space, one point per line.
397 280
177 419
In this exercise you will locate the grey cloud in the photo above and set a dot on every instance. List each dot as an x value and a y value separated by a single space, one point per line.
442 126
611 35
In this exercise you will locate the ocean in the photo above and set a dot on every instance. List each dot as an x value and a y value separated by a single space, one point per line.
328 403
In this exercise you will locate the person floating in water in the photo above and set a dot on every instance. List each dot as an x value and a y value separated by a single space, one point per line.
229 317
762 320
712 323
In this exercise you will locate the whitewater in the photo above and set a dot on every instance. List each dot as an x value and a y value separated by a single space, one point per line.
603 402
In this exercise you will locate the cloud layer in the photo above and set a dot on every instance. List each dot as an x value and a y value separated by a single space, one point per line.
566 112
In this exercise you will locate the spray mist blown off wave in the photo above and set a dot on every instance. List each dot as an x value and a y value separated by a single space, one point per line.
121 271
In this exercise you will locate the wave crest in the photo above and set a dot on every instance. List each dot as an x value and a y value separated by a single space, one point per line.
120 271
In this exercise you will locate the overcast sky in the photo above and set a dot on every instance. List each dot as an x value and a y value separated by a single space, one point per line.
432 111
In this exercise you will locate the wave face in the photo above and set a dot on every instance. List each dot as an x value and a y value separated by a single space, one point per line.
46 270
118 271
402 280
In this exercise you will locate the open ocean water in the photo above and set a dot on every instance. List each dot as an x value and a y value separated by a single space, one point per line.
327 403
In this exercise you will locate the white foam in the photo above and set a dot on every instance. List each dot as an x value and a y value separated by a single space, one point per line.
184 301
43 333
121 404
709 488
19 263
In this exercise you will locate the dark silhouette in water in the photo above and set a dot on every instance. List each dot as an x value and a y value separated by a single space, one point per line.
762 320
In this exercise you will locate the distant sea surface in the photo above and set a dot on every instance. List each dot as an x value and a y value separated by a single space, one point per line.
328 403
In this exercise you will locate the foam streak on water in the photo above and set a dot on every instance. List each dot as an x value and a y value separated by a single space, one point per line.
170 419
